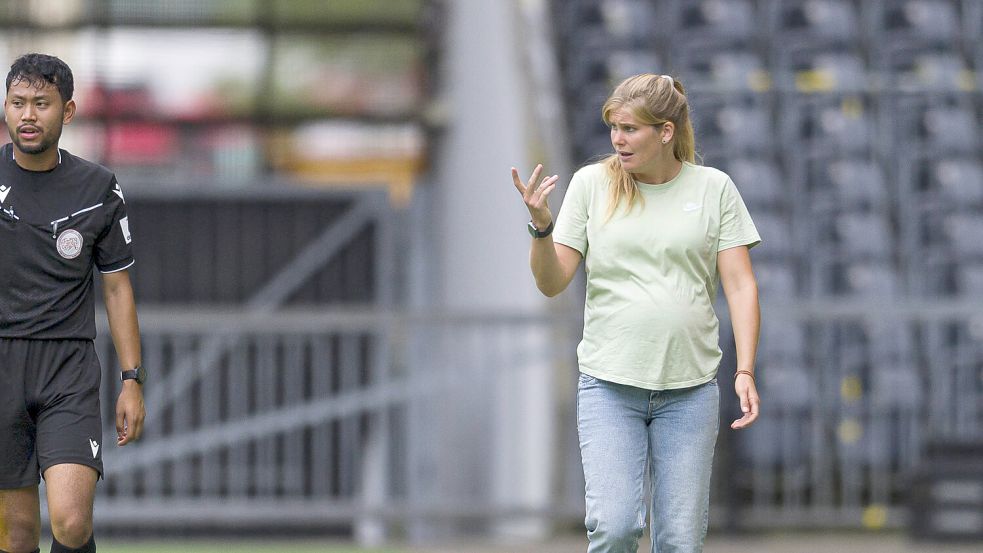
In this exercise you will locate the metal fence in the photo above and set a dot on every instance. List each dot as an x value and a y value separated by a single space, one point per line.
429 425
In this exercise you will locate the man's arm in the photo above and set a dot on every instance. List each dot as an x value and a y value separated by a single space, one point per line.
122 312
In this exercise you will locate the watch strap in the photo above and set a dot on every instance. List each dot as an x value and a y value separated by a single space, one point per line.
536 233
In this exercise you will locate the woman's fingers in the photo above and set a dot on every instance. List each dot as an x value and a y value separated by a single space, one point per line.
531 188
533 194
547 186
518 182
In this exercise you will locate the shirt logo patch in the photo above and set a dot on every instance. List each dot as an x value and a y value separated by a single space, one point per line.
692 206
69 244
124 227
119 192
4 190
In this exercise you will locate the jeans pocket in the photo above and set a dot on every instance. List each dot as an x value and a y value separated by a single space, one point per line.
586 380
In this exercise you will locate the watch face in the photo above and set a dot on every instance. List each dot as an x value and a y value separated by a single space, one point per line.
536 233
141 374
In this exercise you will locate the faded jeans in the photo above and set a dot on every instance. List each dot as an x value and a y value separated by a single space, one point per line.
625 430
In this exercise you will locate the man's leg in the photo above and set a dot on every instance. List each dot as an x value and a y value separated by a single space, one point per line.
20 520
71 492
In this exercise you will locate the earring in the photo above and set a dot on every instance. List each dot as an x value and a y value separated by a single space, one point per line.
665 141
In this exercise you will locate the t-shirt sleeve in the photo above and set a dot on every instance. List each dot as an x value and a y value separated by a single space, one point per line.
571 221
113 250
736 226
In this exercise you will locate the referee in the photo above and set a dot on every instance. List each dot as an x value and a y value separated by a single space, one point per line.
59 216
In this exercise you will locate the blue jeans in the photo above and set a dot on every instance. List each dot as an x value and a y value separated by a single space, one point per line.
625 430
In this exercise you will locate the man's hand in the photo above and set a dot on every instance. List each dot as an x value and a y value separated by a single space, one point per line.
130 413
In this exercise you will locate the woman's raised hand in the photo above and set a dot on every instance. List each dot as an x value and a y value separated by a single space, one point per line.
535 195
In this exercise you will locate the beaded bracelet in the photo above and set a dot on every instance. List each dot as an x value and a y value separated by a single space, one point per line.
749 373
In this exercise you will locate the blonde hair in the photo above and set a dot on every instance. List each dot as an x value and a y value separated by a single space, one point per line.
652 100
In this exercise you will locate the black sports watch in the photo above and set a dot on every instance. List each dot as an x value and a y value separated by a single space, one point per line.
139 374
536 233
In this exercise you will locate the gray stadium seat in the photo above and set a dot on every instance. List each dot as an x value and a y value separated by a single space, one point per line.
848 185
864 236
775 232
828 124
709 69
933 125
969 280
964 231
730 125
926 21
813 22
776 280
959 182
783 340
759 180
914 70
878 279
720 21
820 71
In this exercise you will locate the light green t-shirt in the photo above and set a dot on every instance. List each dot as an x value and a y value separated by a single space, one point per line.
652 274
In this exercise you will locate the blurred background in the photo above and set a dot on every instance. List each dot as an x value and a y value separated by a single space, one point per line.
344 339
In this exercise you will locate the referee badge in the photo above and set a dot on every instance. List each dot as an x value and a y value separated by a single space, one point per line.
69 244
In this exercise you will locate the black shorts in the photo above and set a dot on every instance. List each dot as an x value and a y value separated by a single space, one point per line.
49 408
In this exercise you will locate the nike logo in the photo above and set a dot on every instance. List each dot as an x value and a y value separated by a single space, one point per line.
95 447
4 190
692 206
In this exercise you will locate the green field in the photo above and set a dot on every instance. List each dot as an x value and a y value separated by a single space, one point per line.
215 546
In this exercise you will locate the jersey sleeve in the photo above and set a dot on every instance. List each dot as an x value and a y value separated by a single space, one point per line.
736 226
571 222
113 249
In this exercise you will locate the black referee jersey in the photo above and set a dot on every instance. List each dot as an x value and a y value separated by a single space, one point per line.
54 226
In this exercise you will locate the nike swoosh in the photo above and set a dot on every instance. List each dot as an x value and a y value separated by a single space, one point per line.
691 207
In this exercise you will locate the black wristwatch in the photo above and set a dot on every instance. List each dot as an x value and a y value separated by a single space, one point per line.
139 374
536 233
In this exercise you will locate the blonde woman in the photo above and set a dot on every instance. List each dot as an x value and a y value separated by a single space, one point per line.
657 232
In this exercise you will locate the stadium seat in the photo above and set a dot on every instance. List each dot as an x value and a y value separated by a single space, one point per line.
964 232
817 23
919 70
775 232
873 279
776 279
597 64
713 21
710 69
728 125
782 441
847 185
828 124
827 70
760 182
915 21
783 339
958 182
935 124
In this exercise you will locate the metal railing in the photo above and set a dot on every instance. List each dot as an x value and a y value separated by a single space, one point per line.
424 424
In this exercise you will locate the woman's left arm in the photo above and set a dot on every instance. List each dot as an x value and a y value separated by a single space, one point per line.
741 290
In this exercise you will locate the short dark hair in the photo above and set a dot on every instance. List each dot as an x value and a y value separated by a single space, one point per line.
38 69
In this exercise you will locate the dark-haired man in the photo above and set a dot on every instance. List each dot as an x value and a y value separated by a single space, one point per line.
59 216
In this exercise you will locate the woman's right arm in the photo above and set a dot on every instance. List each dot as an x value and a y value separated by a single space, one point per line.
553 265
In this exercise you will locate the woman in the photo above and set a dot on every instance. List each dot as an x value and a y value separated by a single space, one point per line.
657 231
